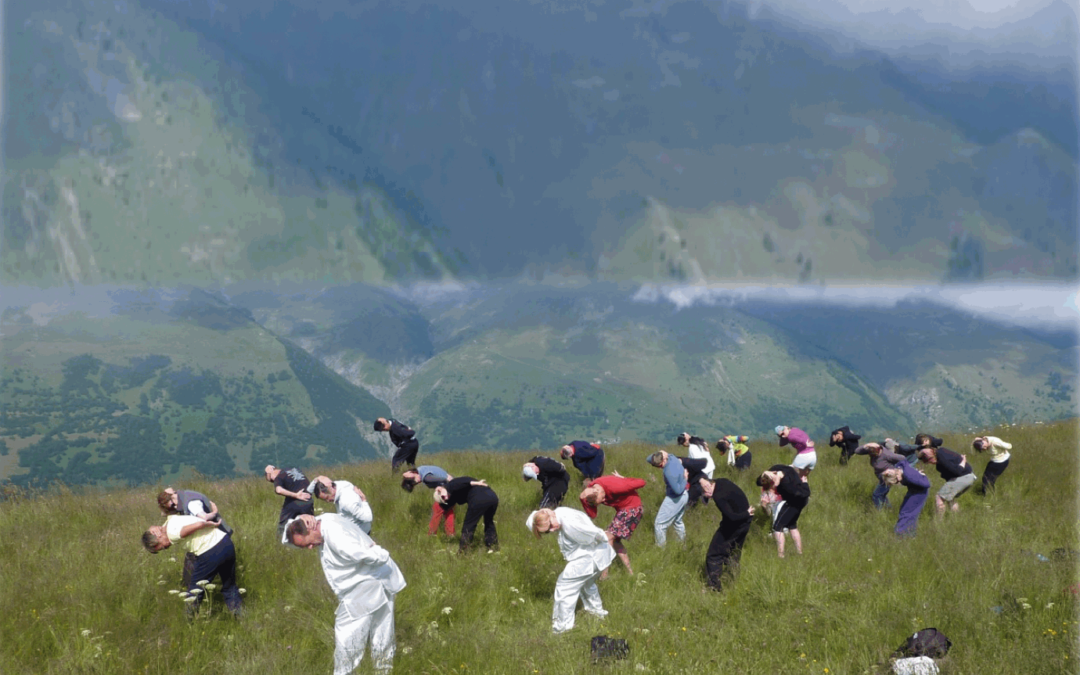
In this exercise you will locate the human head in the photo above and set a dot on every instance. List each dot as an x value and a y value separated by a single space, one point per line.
765 480
781 431
980 444
409 479
873 448
325 489
155 539
683 439
928 454
707 488
566 452
304 531
529 471
381 424
837 436
271 472
923 440
723 445
657 459
441 495
543 521
592 495
168 501
892 476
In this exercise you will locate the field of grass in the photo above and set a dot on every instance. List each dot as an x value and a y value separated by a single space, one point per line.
79 595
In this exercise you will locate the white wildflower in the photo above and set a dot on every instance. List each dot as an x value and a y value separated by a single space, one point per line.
406 650
242 591
210 587
514 590
161 583
1049 605
86 632
196 591
202 583
173 592
521 600
287 608
447 610
190 599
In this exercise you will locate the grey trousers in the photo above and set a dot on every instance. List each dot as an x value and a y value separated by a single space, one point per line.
670 514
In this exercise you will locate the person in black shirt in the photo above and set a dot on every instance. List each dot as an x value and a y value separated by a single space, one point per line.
293 485
726 545
482 503
957 473
795 495
553 478
846 440
696 478
403 438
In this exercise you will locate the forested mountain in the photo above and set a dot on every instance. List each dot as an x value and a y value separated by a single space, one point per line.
120 385
167 142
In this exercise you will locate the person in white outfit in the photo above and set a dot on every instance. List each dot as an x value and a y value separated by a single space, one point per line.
587 552
366 581
347 498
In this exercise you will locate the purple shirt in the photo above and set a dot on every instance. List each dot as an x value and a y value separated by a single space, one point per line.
798 439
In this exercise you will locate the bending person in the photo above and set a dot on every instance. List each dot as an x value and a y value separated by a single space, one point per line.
588 458
482 503
214 554
587 552
676 496
999 459
738 453
953 467
432 477
918 485
736 517
347 498
403 438
795 494
847 440
805 454
293 485
620 494
553 477
364 578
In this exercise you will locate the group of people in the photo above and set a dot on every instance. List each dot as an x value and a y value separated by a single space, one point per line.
366 579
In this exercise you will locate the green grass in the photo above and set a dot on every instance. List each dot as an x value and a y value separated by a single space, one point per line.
79 595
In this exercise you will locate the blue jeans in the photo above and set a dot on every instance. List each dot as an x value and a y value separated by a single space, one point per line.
671 514
880 495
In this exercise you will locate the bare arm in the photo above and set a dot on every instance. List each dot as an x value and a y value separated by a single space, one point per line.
191 529
302 496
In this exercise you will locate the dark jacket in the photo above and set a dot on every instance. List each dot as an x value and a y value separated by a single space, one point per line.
792 489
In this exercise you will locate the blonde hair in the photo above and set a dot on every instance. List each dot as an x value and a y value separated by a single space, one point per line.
542 521
891 476
592 495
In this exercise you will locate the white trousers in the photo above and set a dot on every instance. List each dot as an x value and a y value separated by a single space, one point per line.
352 633
568 588
670 514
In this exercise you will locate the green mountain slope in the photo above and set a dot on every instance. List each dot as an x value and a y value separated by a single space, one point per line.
122 398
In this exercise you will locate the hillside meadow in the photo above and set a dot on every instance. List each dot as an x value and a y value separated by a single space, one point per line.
79 595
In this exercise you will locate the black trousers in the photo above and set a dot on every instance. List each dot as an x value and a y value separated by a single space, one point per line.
724 551
991 473
482 505
846 454
406 454
743 461
553 495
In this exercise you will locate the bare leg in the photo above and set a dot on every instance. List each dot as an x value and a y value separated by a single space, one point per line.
955 506
779 536
940 503
620 550
797 538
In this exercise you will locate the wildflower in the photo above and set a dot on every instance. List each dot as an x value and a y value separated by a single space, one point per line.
287 608
242 591
684 629
434 625
406 650
1049 605
521 600
189 599
447 610
161 582
210 587
196 591
172 559
86 632
1025 605
173 592
514 590
203 582
639 667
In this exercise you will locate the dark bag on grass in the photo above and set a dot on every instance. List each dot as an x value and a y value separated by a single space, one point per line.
604 647
927 642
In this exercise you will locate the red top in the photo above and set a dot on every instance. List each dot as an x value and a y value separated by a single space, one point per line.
619 493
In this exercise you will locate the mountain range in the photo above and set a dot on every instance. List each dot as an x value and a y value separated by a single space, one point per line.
116 384
165 143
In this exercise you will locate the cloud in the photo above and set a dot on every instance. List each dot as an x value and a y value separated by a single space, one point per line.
1051 306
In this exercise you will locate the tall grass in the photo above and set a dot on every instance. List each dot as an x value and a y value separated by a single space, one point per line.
79 595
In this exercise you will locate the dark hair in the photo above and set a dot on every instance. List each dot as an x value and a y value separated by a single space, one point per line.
295 528
321 489
923 439
407 484
764 481
377 426
979 445
679 438
164 501
723 445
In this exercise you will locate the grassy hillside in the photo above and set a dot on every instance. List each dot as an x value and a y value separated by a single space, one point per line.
80 596
195 386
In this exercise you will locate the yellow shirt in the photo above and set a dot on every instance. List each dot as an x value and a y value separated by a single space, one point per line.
198 543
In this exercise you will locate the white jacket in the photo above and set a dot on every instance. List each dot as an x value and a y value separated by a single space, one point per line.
999 449
359 571
695 451
584 545
349 504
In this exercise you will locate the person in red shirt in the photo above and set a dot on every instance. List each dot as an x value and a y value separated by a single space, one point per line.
620 494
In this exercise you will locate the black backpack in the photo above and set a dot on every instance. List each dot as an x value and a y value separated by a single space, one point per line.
927 642
604 647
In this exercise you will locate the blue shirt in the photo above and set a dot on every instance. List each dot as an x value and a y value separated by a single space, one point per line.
674 478
588 459
432 476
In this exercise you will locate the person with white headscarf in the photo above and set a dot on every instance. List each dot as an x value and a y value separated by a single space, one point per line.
587 552
366 581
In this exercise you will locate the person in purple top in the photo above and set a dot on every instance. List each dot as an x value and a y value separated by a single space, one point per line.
880 459
588 458
918 485
805 454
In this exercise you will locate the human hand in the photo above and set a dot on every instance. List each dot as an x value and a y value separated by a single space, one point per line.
304 496
751 510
